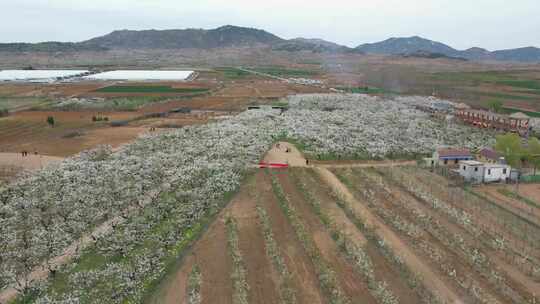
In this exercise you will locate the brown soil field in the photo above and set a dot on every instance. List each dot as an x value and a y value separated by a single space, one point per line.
415 206
352 283
369 206
210 253
72 133
74 130
531 192
236 96
50 90
513 261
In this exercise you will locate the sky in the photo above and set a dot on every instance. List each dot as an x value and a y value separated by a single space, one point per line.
491 24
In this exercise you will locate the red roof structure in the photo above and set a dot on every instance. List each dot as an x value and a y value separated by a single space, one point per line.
489 154
452 153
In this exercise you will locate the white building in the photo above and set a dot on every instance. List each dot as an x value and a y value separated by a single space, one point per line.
478 172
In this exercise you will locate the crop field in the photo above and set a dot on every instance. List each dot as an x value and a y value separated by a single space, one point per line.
357 235
184 216
18 103
285 72
72 133
149 89
515 89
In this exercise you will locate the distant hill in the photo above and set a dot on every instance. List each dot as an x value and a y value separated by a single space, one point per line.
48 47
225 36
313 45
404 46
430 55
418 45
526 54
235 36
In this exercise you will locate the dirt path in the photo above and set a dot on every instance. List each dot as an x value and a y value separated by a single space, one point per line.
366 164
352 283
298 263
294 158
285 153
263 280
210 253
330 208
430 279
31 162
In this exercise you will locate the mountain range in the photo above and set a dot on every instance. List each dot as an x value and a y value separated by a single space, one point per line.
234 36
415 44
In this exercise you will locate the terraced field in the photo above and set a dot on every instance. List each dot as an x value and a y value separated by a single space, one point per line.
359 235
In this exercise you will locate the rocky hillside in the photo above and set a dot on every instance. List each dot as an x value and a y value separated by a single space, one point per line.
403 46
226 36
418 45
313 45
234 36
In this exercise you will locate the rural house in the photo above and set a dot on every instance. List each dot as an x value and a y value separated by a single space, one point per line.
478 172
449 156
488 155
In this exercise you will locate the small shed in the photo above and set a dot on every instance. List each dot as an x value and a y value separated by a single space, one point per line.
478 172
450 156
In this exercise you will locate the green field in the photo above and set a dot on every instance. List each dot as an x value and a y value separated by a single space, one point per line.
232 73
508 110
113 104
285 72
364 90
524 84
149 89
12 103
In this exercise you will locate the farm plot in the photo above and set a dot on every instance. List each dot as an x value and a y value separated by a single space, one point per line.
284 213
495 238
128 216
149 89
286 245
72 132
473 269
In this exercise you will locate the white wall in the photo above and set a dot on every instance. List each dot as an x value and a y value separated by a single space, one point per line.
490 174
496 174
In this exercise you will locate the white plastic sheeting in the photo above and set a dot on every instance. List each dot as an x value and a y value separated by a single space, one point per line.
141 75
37 74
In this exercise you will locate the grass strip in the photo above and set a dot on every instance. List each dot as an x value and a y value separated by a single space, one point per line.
239 272
194 285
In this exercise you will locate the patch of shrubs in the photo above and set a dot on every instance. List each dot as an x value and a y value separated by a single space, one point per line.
99 118
119 123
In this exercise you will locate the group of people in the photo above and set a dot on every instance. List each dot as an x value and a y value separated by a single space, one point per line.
25 153
287 150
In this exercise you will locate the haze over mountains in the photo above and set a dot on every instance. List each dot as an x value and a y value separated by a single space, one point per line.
234 36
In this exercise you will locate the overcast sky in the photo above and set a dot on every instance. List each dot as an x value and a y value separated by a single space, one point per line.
492 24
